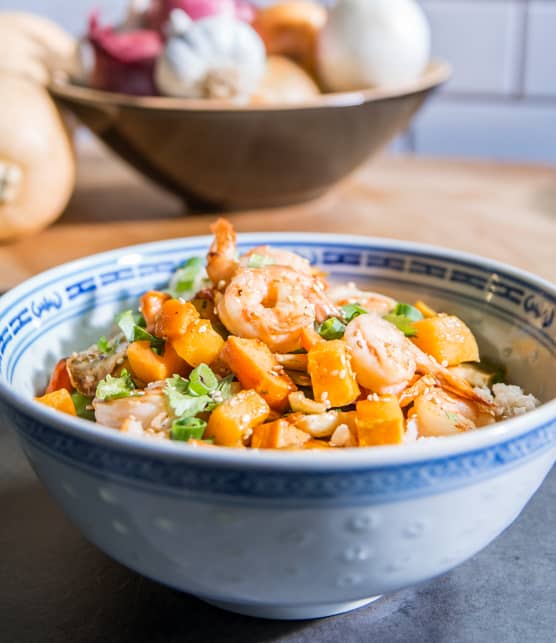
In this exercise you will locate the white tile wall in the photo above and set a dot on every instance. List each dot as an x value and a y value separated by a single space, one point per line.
480 39
501 102
540 54
491 130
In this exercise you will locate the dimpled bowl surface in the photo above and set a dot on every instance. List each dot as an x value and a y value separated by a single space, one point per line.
274 534
233 156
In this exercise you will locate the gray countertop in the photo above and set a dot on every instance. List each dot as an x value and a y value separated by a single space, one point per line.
55 587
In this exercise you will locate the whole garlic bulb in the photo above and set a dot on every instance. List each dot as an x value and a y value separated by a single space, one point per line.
369 43
215 57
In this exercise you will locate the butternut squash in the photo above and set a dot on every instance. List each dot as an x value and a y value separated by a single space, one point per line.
59 400
201 343
257 368
32 46
147 366
278 435
447 339
151 306
37 165
379 421
310 338
316 444
332 378
425 309
175 318
231 423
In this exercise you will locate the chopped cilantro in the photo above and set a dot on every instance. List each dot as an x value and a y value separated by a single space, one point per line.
203 392
103 345
130 326
114 388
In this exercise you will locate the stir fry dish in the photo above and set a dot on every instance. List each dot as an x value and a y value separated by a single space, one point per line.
259 351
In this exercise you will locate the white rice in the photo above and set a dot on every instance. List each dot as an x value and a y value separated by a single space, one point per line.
509 400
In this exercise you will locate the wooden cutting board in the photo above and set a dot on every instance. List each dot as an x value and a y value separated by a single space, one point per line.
507 212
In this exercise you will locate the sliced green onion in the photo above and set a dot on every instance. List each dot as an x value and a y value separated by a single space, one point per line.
351 311
406 310
332 328
114 388
402 323
259 261
82 404
188 428
202 380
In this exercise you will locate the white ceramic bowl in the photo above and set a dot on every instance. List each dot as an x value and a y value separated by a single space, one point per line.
273 534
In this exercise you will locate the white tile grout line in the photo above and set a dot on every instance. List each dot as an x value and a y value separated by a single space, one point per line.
521 71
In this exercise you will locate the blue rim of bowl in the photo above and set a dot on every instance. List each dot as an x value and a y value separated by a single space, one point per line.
506 431
437 73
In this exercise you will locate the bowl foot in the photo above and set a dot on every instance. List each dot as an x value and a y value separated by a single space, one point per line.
291 612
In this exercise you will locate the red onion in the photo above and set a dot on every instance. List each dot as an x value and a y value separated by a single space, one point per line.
197 9
124 61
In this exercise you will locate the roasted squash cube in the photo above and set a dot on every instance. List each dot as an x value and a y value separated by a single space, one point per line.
148 366
332 378
200 344
175 318
278 435
59 400
231 423
447 339
256 368
379 421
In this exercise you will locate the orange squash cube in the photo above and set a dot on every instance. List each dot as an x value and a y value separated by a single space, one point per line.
59 400
332 378
201 343
175 318
147 366
379 421
278 435
447 339
231 423
256 368
310 338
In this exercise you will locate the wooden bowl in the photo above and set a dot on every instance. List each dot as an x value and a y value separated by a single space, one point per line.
242 156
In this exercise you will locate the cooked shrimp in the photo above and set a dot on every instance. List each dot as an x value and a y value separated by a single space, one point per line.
149 409
438 413
385 360
278 257
273 304
350 294
222 257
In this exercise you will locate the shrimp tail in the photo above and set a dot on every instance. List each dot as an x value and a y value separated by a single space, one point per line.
222 259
